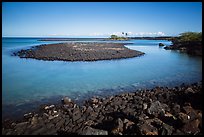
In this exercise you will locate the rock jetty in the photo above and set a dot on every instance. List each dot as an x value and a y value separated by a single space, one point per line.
157 111
78 51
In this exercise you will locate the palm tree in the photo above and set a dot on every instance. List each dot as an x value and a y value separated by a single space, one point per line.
126 34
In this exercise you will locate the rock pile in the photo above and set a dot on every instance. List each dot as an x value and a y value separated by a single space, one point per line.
88 51
159 111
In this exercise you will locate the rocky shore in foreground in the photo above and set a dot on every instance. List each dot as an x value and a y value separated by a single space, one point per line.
79 51
157 111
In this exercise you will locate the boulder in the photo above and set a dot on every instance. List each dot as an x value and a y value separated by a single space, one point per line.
144 106
118 127
147 129
183 118
167 47
166 129
169 119
191 127
189 90
155 109
127 124
94 100
34 120
92 131
66 100
176 109
161 44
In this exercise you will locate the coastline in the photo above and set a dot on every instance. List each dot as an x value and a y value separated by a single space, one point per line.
156 111
79 51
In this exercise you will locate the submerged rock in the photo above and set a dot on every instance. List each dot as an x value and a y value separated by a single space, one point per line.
138 113
161 44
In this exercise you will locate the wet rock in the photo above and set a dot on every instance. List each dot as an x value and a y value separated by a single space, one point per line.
147 129
39 131
118 127
83 109
166 129
49 107
176 109
89 122
191 127
142 116
144 106
127 124
187 109
91 131
183 118
50 125
21 125
143 112
76 114
89 110
190 112
200 119
66 100
155 109
28 115
169 119
178 132
34 120
94 100
189 90
60 123
53 116
161 44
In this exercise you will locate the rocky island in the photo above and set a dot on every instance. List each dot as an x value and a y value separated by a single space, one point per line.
79 51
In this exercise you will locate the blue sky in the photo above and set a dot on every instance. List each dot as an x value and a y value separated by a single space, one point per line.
100 19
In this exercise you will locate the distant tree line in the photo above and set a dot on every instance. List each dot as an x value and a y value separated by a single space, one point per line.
115 37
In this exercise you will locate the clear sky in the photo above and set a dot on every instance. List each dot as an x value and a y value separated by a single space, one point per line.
100 19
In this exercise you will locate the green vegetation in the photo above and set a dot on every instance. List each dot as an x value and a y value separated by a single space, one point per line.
189 42
190 37
115 37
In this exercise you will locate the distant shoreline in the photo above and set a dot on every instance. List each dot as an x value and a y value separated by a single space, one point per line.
108 39
79 51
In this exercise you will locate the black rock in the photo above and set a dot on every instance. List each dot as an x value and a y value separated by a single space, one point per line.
161 44
91 131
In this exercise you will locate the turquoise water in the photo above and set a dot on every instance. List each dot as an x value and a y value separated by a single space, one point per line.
27 81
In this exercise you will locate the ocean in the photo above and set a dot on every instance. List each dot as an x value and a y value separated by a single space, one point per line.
27 83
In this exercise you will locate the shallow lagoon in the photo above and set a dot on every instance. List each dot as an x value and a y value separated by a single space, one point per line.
26 83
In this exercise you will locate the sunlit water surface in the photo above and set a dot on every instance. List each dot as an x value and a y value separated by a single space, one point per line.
27 83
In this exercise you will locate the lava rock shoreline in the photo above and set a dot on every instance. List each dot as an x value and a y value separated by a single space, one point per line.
79 51
157 111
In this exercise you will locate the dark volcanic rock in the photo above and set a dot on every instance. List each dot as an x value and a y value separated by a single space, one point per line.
160 111
79 52
161 44
66 100
91 131
147 129
155 109
118 127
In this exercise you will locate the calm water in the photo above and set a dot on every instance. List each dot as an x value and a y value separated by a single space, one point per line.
26 83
